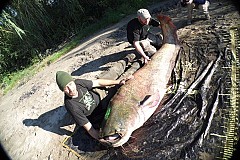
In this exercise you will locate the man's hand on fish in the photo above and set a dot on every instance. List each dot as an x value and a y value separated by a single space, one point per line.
107 140
103 141
124 80
146 59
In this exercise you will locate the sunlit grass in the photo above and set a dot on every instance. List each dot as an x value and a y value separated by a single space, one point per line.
9 81
14 79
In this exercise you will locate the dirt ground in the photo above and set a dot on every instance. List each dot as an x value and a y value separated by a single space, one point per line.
33 120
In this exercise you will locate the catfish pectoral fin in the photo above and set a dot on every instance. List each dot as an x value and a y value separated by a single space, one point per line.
152 100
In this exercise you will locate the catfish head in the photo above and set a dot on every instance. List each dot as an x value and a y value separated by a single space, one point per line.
121 120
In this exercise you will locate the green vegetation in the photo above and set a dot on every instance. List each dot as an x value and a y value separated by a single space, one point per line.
31 31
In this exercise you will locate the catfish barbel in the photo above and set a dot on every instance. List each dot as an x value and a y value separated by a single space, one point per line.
137 100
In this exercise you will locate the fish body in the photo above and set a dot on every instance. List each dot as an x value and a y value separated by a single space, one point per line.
136 101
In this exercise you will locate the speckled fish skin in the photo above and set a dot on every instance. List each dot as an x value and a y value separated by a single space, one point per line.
137 100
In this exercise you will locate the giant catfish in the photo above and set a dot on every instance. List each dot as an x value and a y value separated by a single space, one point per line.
136 101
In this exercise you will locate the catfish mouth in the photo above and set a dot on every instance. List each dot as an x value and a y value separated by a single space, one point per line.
116 140
113 138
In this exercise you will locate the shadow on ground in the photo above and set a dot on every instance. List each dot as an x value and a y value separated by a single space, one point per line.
52 121
98 64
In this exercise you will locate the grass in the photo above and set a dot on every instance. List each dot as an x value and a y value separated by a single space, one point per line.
112 16
12 80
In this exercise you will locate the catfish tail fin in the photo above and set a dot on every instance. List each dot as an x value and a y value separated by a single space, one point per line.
169 29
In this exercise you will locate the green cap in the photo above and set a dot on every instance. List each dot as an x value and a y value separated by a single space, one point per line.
63 78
